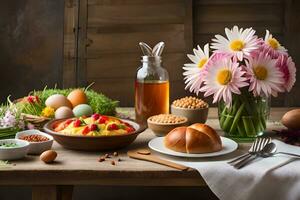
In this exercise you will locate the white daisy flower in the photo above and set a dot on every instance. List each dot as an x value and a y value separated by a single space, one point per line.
265 78
223 78
238 43
194 72
273 45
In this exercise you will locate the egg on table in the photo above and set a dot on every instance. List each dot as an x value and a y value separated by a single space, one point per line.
63 112
48 156
57 100
291 119
82 110
77 97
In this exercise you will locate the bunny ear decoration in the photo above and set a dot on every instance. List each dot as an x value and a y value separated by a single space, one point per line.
146 49
156 51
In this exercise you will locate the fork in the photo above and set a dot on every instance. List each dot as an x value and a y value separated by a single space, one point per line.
256 146
252 149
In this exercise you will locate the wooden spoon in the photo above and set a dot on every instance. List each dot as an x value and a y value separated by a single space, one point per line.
145 154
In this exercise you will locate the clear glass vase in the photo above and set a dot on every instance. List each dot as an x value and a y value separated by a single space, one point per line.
245 118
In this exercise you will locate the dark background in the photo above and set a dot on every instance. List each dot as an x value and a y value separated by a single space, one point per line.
72 43
75 42
31 45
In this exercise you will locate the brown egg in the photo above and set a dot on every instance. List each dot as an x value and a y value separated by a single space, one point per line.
77 97
48 156
291 119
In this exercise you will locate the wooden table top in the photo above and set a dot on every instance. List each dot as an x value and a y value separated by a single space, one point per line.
83 168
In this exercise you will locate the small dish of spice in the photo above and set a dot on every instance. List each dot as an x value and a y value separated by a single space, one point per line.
163 123
34 138
39 141
193 108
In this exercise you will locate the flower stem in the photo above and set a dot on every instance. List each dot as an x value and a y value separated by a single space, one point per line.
237 118
241 128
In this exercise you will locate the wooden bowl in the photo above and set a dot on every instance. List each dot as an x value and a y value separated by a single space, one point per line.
162 129
93 143
198 115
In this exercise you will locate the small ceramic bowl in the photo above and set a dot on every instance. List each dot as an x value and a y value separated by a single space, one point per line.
162 129
18 151
198 115
36 147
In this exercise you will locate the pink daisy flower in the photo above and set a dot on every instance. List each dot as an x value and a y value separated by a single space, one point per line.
265 78
287 67
223 78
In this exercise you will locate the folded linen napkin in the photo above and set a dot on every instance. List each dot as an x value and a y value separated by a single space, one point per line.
276 178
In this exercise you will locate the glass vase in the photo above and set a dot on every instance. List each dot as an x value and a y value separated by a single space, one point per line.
245 118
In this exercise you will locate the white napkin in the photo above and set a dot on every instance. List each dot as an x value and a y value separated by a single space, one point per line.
276 177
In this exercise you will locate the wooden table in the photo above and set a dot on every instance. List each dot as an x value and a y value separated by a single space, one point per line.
55 181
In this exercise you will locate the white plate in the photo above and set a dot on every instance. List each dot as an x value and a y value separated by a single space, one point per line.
157 144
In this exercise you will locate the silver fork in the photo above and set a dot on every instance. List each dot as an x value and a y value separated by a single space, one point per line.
252 149
256 146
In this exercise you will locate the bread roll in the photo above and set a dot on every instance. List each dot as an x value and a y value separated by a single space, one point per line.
197 138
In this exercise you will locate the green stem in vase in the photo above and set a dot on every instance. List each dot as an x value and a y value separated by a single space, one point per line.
263 121
252 112
231 114
237 118
260 115
241 129
227 122
250 130
247 128
223 115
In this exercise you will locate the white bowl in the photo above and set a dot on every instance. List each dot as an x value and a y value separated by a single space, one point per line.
13 153
36 147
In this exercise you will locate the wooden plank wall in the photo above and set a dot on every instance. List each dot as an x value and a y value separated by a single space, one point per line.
108 33
116 27
30 47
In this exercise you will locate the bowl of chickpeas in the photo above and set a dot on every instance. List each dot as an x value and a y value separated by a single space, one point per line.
193 108
162 124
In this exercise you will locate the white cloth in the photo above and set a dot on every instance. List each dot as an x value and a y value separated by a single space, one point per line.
276 178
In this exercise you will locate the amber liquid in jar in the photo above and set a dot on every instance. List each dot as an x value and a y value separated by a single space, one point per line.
151 98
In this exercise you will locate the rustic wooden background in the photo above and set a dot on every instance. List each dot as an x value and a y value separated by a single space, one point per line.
107 33
31 45
84 41
75 42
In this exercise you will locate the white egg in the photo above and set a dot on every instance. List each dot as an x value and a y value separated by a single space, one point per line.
63 112
57 100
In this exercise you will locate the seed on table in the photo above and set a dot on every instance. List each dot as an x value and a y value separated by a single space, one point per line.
101 159
113 162
119 160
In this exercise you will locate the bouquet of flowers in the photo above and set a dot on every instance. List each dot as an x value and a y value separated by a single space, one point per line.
242 72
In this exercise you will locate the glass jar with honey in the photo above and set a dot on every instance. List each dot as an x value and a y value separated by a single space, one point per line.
151 89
